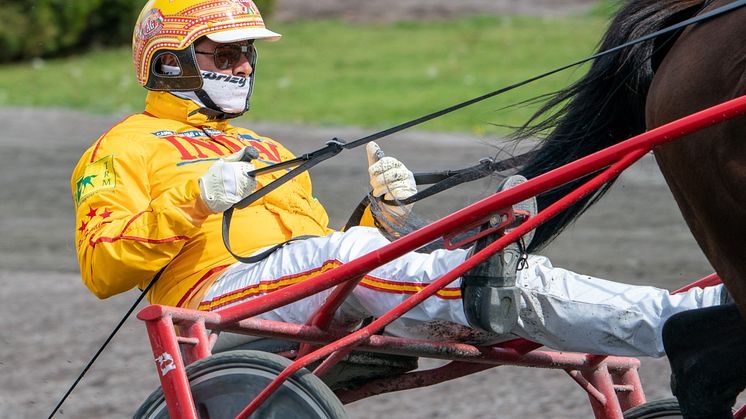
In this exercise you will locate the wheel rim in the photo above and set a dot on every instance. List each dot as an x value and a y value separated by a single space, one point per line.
226 392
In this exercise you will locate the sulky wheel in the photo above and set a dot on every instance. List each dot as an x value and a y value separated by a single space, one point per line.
668 408
224 384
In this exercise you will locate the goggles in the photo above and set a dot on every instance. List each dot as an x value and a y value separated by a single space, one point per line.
229 55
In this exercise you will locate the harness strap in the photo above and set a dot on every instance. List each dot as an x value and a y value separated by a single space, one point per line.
442 181
448 179
357 216
227 216
265 254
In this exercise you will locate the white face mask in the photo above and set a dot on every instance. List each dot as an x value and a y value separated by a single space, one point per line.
229 93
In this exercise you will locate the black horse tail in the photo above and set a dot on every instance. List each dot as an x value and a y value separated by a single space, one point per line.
604 107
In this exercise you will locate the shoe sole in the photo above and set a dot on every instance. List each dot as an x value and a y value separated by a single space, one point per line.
490 297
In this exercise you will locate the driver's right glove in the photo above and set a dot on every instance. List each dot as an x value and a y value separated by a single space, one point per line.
227 182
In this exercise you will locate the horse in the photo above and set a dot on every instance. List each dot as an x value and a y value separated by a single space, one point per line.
641 88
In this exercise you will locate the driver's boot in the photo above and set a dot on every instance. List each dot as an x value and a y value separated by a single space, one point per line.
488 291
707 351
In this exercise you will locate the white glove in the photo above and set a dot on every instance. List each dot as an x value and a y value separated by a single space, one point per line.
390 178
226 182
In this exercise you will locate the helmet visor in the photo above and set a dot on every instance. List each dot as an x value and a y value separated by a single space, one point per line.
243 34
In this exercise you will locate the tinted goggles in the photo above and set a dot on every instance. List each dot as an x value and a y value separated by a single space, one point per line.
228 56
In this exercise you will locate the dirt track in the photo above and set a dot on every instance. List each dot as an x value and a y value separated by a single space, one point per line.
53 325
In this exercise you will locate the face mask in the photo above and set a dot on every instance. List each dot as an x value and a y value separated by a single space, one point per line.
229 93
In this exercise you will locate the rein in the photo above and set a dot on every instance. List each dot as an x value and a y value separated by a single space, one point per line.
450 178
336 146
441 181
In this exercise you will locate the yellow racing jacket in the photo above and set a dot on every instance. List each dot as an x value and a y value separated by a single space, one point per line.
138 205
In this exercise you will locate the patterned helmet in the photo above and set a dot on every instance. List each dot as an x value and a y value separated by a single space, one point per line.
170 27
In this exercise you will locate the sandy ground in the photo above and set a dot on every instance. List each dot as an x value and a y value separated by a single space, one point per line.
53 325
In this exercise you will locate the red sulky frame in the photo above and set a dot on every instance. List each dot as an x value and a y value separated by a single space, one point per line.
612 383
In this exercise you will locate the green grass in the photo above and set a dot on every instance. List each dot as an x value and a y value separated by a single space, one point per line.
332 73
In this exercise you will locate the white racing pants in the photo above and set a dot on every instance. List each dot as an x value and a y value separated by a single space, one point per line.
559 309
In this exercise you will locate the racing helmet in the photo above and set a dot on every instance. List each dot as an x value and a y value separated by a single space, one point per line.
168 27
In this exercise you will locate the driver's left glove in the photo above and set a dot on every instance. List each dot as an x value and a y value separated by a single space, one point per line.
390 179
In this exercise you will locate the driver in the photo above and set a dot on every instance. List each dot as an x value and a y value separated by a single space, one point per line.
149 194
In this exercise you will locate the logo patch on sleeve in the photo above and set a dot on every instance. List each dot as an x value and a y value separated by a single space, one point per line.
97 176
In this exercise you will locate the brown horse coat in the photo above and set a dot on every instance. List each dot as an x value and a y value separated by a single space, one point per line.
706 171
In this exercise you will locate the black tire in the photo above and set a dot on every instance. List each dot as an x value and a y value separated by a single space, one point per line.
224 384
667 408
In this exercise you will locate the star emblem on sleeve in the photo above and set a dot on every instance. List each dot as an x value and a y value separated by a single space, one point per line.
91 214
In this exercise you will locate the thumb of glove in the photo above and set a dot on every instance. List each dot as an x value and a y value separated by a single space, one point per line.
246 154
374 153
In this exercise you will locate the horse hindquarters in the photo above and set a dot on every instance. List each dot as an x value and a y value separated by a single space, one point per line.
706 171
